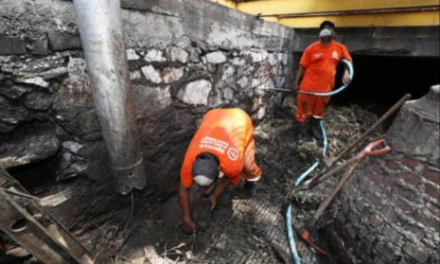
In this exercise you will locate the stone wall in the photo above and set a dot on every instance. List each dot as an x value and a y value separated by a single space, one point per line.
391 208
185 57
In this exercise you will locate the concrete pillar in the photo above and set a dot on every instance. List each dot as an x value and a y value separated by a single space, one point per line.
100 26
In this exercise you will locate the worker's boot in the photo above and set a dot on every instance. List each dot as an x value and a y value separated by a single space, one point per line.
298 132
315 128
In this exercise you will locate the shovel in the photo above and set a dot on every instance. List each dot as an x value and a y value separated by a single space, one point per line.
369 151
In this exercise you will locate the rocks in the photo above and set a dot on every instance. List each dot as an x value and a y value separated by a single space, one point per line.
148 100
151 74
60 41
238 62
53 73
216 57
258 56
184 42
177 54
39 101
284 58
40 46
37 81
416 253
154 55
10 45
80 123
29 144
13 92
75 89
243 82
273 59
132 55
221 243
196 93
70 164
136 75
11 114
166 75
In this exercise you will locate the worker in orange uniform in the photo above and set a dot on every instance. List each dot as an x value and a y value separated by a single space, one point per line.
222 150
317 70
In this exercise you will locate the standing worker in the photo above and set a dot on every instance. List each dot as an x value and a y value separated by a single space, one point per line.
317 70
224 143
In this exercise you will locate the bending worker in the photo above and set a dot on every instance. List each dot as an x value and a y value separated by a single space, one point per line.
317 70
223 144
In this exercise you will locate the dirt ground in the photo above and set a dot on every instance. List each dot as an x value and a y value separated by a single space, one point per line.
245 227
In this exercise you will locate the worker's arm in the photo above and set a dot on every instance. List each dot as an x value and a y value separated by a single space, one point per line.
222 184
298 78
188 223
346 77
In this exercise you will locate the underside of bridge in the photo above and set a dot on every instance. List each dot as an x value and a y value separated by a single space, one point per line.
62 202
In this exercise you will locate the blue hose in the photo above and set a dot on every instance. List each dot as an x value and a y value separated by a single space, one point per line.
306 173
295 257
293 251
324 137
316 164
340 89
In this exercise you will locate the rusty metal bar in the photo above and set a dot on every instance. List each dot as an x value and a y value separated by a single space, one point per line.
359 12
100 27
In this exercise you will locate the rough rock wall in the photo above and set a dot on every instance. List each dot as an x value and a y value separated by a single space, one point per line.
391 208
185 57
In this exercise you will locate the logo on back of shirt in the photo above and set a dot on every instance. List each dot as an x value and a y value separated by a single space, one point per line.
335 55
233 154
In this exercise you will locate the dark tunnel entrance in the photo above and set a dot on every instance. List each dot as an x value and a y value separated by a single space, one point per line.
381 80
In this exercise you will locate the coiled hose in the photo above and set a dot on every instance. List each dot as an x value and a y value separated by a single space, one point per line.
290 234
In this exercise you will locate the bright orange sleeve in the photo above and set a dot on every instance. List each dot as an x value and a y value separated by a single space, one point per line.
345 54
251 170
305 58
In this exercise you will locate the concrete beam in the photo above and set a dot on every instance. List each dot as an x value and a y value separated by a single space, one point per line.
391 41
346 13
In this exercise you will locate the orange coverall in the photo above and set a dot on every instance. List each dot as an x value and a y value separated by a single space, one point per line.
320 63
229 135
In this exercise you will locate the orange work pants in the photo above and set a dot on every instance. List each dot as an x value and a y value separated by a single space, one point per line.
310 105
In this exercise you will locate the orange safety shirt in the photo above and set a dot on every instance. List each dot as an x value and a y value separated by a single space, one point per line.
320 63
225 133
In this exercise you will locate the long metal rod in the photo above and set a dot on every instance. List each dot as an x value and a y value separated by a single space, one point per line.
330 198
100 27
384 117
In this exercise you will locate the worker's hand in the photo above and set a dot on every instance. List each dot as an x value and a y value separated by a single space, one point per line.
189 226
213 202
346 79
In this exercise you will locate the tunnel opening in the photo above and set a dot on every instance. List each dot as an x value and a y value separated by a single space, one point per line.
380 81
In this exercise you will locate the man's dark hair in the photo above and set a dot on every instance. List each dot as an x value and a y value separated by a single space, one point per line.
327 23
